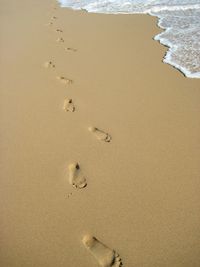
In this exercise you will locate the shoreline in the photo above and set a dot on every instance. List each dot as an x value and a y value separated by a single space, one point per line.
99 137
172 48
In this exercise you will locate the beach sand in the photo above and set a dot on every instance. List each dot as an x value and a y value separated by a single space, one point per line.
141 190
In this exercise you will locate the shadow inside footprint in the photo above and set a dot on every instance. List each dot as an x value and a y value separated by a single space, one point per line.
70 49
60 40
59 30
64 80
100 135
49 23
49 64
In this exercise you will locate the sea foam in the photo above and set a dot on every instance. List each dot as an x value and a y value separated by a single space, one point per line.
180 20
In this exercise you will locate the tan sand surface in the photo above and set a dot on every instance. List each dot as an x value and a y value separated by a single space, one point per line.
143 187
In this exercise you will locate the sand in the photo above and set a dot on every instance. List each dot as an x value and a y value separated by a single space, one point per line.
143 187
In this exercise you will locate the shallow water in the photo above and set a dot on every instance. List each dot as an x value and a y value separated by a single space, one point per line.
179 18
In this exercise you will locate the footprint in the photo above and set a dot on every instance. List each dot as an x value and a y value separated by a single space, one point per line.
100 135
76 178
70 49
64 80
55 5
49 64
68 105
60 40
69 195
53 17
59 30
49 23
105 256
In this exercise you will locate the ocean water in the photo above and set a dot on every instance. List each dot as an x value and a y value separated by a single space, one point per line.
179 19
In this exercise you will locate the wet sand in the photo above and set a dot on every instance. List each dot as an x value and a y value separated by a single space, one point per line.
141 191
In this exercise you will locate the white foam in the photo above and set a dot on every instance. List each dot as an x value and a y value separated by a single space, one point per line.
179 18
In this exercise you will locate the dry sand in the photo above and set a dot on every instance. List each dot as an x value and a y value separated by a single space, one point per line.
143 187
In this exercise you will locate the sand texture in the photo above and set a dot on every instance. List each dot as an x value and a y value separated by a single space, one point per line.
99 142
